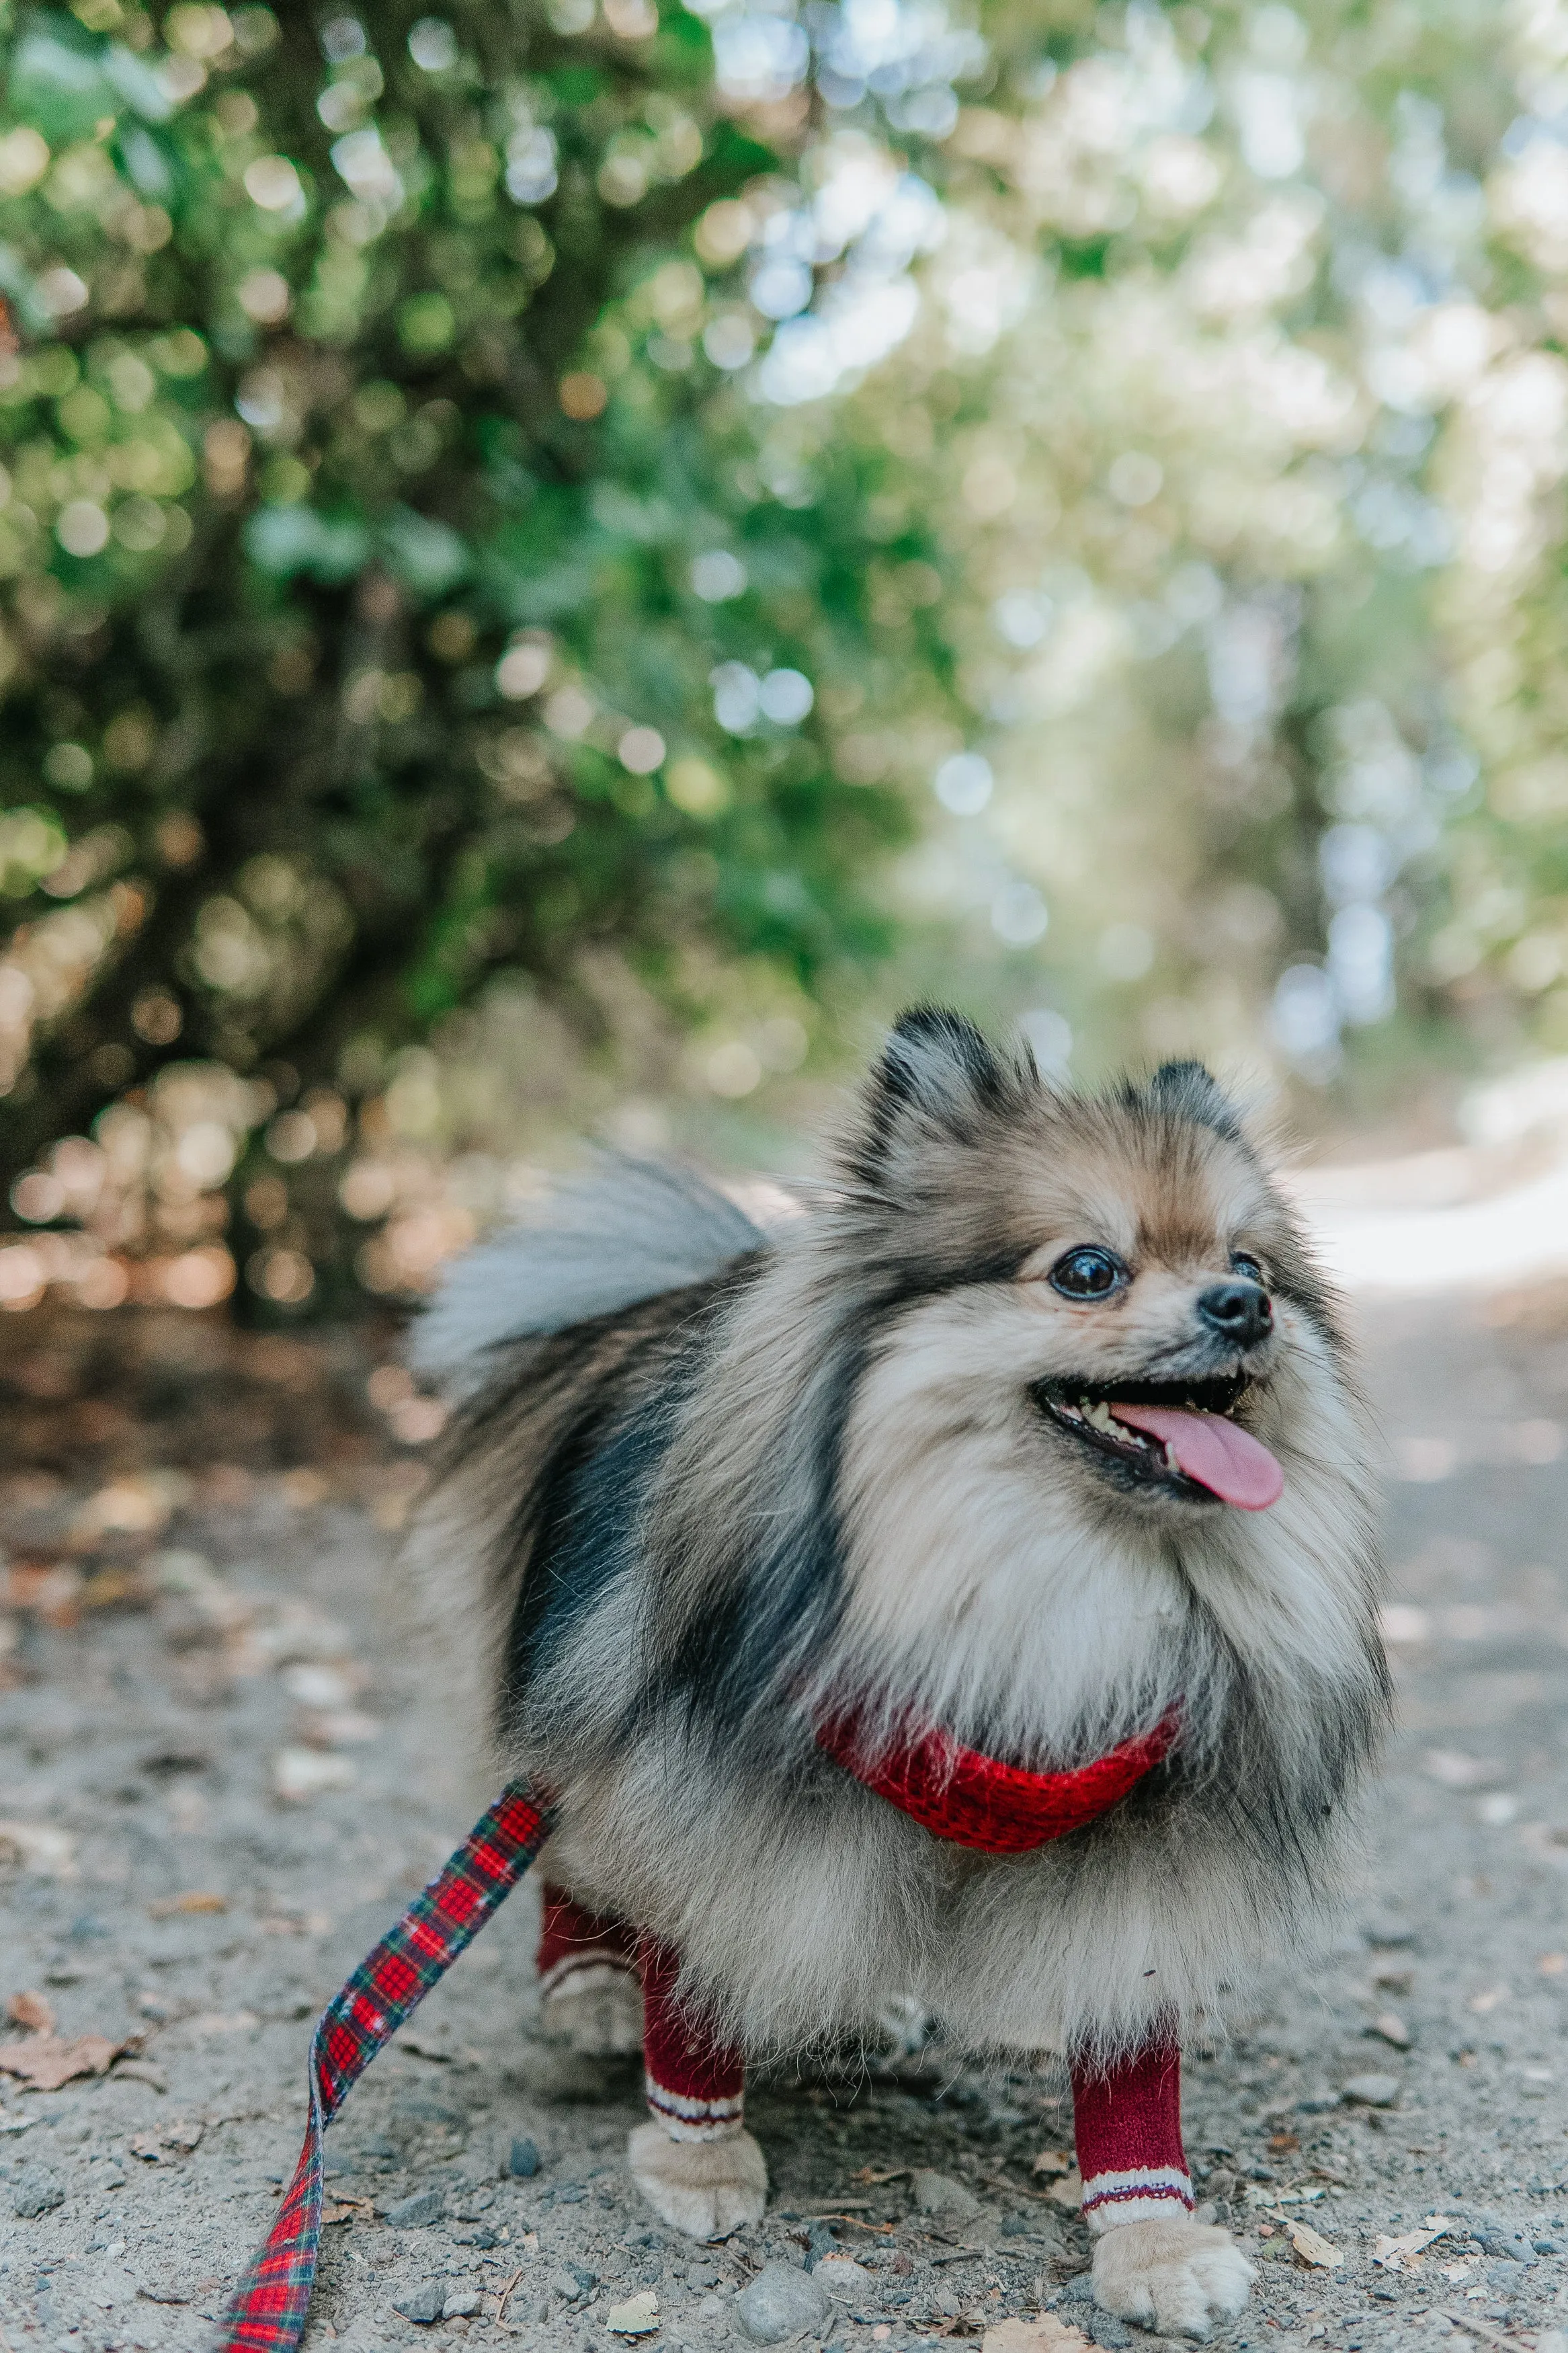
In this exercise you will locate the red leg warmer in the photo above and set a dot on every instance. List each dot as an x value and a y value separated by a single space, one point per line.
572 1940
695 2085
1128 2123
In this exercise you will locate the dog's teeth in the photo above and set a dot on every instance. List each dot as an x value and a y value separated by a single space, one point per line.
1101 1417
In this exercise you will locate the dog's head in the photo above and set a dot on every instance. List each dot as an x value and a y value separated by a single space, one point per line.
1120 1266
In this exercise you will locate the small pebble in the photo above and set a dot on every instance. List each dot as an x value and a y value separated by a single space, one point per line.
412 2213
423 2304
938 2193
780 2304
573 2282
36 2194
461 2303
522 2159
1510 2244
1372 2090
842 2275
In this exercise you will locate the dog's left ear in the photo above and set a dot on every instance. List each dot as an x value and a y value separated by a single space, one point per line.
937 1073
1193 1092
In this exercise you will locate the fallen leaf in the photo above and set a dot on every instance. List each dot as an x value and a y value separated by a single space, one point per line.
1045 2335
38 1846
31 2011
140 1505
194 1899
1069 2191
1396 2254
177 2138
1052 2161
1312 2247
638 2317
351 2209
47 2060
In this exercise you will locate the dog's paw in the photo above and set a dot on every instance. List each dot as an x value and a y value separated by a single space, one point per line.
705 2187
1176 2277
598 2010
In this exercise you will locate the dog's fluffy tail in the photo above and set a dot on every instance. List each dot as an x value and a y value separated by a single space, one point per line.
629 1231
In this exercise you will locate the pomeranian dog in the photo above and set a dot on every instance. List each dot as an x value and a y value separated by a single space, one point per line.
967 1590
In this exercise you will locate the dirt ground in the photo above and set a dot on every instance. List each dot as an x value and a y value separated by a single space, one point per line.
220 1779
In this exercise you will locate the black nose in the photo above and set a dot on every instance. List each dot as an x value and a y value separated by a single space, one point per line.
1239 1312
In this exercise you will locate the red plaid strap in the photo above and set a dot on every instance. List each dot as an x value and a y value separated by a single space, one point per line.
268 2314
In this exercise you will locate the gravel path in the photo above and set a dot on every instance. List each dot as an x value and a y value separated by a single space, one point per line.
219 1779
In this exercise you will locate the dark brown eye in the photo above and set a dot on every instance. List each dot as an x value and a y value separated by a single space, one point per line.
1243 1262
1088 1274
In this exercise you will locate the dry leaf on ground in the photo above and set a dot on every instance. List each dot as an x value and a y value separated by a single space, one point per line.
177 2138
1045 2335
1397 2254
1069 2191
638 2317
349 2210
1052 2161
31 2011
1312 2247
194 1899
47 2060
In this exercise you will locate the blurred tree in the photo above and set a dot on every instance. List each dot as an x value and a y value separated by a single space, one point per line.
552 494
399 586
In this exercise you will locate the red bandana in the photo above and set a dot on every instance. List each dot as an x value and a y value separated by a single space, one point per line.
978 1802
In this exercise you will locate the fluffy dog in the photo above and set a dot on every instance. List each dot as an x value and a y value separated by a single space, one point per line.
968 1588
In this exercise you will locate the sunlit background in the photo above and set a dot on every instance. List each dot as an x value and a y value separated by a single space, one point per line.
559 561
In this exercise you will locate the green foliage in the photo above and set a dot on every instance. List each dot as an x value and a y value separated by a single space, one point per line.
377 523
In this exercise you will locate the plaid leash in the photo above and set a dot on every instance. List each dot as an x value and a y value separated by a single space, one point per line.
267 2312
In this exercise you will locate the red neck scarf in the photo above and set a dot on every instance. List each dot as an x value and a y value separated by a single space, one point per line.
978 1802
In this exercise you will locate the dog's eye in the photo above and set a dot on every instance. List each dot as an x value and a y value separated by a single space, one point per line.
1088 1274
1243 1262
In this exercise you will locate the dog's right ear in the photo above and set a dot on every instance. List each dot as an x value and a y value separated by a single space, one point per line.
937 1076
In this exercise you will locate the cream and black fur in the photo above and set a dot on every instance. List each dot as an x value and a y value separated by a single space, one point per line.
703 1480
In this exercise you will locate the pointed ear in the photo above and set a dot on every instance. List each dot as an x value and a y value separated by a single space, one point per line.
1190 1091
937 1073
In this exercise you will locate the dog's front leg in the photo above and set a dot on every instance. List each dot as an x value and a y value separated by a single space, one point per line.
1153 2264
695 2163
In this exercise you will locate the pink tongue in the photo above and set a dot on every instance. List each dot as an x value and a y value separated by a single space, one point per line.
1222 1457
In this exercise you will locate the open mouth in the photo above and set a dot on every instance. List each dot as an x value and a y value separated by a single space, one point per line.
1179 1437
